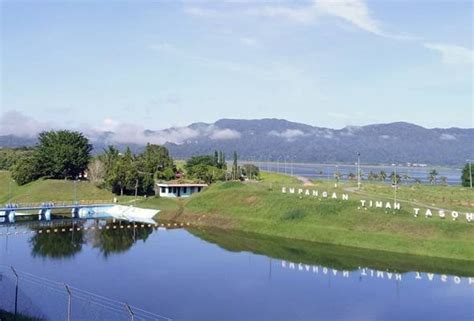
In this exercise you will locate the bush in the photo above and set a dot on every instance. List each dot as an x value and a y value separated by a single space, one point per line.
25 170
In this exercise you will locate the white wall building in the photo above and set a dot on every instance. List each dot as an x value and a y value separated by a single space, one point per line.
179 190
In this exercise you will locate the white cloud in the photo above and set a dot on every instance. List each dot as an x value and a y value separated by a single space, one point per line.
18 124
224 134
354 11
452 54
135 134
289 134
447 137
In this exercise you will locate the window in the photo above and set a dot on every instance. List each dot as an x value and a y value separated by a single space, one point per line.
163 190
175 190
185 189
199 189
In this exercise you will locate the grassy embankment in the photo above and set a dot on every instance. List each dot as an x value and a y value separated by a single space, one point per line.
57 191
262 208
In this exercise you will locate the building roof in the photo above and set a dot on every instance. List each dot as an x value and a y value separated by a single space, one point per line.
180 185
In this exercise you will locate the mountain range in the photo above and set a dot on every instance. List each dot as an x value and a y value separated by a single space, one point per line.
273 139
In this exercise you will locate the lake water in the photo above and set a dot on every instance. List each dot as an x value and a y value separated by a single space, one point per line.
210 275
327 171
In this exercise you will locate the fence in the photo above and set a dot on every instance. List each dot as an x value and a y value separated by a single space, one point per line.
25 296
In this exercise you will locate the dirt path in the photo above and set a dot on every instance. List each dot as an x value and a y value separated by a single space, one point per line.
306 181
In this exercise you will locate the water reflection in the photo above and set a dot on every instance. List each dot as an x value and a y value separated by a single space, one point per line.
332 256
65 239
113 241
204 275
56 245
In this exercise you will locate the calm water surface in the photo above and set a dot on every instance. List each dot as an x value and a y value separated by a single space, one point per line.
185 275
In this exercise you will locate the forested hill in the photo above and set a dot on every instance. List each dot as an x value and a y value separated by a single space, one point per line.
383 143
272 139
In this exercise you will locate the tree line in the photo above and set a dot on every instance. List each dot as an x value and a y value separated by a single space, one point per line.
66 154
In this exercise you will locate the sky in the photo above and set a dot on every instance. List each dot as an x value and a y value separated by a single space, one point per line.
159 64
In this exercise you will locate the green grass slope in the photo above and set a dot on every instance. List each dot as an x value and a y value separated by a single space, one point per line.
52 190
262 208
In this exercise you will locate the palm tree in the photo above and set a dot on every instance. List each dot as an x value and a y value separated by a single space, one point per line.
383 175
395 178
372 176
444 180
432 176
406 177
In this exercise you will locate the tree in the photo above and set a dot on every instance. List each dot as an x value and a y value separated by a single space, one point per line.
337 176
406 178
235 168
395 178
9 156
216 158
155 160
155 163
444 180
250 171
432 176
222 163
207 160
109 157
208 174
123 175
62 154
383 175
96 170
25 170
467 175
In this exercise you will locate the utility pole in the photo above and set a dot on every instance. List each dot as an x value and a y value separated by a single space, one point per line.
358 170
396 184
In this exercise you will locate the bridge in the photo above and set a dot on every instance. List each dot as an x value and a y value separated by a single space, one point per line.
10 212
